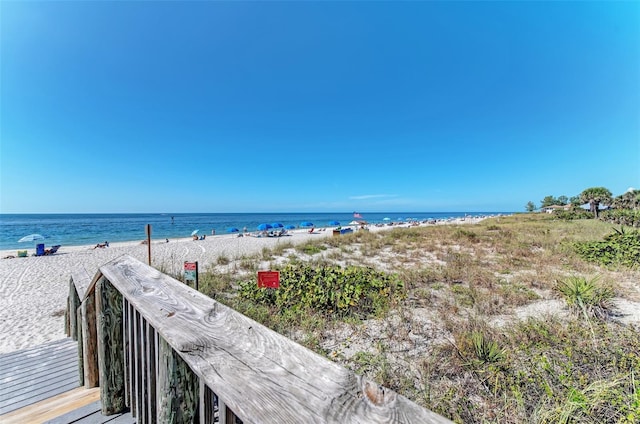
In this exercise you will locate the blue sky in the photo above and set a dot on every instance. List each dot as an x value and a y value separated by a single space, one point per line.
315 106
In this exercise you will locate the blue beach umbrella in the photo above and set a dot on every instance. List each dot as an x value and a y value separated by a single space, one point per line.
306 224
194 232
290 227
233 230
334 223
277 225
264 227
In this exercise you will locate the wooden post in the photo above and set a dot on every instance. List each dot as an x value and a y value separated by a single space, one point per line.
178 387
207 404
151 370
90 342
80 346
148 230
74 302
110 347
67 329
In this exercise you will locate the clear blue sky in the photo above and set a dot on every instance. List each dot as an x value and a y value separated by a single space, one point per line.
315 106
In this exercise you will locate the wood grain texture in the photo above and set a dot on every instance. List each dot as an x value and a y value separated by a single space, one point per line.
50 408
110 347
81 280
261 375
89 342
178 387
74 303
30 375
80 346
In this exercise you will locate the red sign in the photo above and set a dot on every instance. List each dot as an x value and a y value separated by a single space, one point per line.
189 266
269 279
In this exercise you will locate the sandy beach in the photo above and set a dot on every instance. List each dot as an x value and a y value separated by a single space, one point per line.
33 290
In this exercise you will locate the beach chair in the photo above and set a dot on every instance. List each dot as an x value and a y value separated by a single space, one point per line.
40 249
53 250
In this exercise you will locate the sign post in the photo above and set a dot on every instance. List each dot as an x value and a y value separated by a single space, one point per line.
148 231
269 279
191 272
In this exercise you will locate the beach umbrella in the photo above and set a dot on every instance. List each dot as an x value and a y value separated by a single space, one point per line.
264 227
194 232
354 222
290 227
306 224
233 230
334 223
32 237
277 225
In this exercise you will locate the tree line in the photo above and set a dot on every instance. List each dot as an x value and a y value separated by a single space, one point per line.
594 196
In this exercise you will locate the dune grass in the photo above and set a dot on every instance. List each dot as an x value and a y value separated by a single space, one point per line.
456 317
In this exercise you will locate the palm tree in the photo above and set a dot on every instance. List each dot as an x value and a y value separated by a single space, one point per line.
629 200
594 196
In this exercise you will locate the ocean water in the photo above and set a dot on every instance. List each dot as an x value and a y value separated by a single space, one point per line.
90 229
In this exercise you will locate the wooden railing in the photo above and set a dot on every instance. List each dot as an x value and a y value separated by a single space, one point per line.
171 355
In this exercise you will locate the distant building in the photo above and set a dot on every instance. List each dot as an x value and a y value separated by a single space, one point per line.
553 208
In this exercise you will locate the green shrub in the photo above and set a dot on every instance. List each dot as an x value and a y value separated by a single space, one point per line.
629 217
618 248
573 214
329 289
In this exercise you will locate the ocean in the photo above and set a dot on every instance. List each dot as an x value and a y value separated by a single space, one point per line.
90 229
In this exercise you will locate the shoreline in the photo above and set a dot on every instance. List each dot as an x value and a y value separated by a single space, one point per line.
34 289
82 230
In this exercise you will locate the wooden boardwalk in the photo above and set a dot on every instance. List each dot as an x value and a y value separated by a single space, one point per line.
42 384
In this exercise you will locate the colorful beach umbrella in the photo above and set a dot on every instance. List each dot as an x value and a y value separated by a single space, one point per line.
233 230
306 224
277 225
264 227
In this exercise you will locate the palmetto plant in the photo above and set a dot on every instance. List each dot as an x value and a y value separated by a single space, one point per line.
586 296
486 350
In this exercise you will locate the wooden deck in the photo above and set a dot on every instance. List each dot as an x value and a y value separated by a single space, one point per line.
42 384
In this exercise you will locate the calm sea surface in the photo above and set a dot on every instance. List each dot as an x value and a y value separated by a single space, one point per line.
89 229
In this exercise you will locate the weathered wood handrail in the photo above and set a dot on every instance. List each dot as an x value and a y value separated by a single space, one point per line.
172 354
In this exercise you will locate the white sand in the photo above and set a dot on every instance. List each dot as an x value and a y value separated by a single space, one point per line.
33 290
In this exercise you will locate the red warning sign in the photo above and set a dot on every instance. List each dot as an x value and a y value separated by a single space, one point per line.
269 279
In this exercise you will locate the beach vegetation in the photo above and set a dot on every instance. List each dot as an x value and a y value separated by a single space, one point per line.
573 214
619 248
310 248
586 296
595 196
328 290
214 284
628 217
510 320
